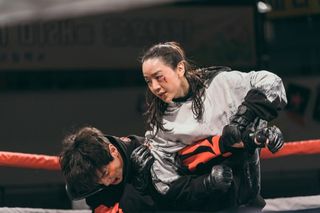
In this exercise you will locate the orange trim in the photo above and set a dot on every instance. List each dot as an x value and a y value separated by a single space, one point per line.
205 142
195 160
102 209
191 148
105 209
215 142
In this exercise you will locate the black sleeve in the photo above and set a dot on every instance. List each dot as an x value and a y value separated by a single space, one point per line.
189 193
260 105
108 197
134 201
129 199
134 142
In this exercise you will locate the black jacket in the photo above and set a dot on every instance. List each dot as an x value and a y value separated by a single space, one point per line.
129 199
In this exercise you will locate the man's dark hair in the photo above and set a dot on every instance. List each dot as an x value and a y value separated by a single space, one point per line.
84 153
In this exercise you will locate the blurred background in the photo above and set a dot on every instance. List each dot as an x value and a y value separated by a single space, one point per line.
66 64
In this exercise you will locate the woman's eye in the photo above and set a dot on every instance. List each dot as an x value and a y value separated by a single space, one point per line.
159 78
147 81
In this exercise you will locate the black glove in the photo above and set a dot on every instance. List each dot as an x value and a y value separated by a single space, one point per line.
141 160
230 136
243 118
220 178
270 136
255 105
275 137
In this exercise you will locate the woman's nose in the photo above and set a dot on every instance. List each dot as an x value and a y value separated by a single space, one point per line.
155 86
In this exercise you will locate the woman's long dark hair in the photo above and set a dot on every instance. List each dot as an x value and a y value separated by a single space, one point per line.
172 54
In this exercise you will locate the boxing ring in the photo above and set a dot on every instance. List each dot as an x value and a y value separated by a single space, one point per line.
281 204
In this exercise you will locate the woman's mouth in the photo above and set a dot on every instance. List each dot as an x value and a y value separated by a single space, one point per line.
162 95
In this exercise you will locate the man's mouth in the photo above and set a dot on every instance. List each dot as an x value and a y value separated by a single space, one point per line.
115 181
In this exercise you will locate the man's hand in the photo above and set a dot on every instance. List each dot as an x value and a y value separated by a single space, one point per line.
141 160
220 178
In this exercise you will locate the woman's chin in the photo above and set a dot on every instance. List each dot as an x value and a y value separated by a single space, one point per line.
166 99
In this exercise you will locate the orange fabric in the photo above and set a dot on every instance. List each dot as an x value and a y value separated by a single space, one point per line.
214 146
105 209
289 148
197 158
102 209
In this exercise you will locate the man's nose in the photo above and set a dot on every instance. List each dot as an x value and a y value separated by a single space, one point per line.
106 181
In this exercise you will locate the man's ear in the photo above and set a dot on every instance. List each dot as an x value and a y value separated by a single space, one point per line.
113 150
181 69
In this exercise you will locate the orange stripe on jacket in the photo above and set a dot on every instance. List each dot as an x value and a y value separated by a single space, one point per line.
195 159
214 145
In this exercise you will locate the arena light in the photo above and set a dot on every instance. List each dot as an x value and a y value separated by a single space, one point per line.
263 7
21 11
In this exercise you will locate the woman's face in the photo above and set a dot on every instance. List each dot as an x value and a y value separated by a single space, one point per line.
163 81
112 173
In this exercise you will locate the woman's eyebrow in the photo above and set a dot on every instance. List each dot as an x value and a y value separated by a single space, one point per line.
156 73
153 74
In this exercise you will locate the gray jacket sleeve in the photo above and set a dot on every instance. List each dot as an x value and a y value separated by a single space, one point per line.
240 83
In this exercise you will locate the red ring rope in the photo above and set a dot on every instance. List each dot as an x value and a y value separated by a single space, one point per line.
37 161
307 147
32 161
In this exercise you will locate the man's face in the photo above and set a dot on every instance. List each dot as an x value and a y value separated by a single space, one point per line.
112 173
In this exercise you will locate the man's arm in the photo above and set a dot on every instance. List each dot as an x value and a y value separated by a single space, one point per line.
108 197
141 161
192 192
128 200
